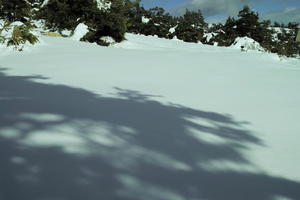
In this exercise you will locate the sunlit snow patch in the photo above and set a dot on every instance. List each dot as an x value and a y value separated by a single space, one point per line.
246 44
103 5
80 31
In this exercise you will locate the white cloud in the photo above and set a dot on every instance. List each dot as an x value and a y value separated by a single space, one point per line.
215 7
290 14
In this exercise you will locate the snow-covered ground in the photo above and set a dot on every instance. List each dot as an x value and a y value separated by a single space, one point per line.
148 119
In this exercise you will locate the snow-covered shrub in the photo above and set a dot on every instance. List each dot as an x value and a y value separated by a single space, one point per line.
245 44
103 17
222 35
248 26
17 34
285 44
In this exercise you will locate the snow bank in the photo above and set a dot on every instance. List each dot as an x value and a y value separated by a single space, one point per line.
204 122
246 44
108 39
80 31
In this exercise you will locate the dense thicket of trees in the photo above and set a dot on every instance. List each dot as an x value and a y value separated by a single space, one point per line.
129 16
67 14
15 10
154 21
281 40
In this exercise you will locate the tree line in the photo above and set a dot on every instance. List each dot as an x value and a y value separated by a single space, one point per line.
123 16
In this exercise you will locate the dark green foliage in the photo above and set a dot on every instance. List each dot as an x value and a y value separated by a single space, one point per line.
135 18
191 26
4 27
226 35
265 36
249 25
111 23
127 16
21 35
286 44
67 14
15 10
159 22
106 24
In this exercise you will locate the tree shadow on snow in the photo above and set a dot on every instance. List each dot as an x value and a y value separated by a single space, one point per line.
63 143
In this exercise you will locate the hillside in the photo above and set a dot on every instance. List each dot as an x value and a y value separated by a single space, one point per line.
148 119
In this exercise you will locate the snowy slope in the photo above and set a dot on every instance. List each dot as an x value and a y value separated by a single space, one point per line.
148 119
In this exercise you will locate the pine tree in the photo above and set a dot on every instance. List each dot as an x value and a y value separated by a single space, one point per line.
15 10
191 26
111 23
67 14
230 31
249 25
224 35
135 16
159 23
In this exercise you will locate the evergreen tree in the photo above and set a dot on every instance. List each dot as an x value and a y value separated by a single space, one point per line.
159 23
276 24
224 35
293 26
191 26
67 14
249 25
15 10
135 16
229 32
286 44
111 23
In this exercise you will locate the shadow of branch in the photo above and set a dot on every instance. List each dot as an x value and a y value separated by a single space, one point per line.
59 142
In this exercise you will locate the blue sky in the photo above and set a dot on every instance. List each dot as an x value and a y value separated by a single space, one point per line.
218 10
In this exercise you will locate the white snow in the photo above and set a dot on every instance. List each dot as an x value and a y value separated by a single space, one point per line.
149 119
247 44
145 20
103 4
173 29
108 39
45 2
66 32
208 36
80 31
